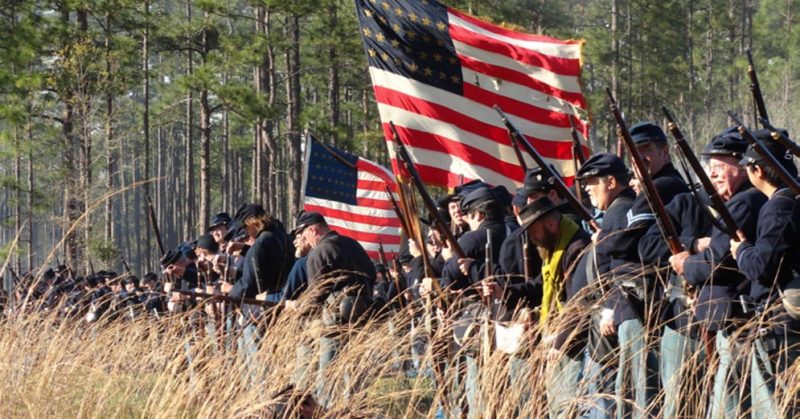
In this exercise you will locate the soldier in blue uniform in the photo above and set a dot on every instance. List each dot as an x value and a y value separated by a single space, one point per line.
770 260
342 276
561 242
483 214
712 273
635 358
693 223
605 179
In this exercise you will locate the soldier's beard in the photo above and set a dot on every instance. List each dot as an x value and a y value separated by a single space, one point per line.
547 247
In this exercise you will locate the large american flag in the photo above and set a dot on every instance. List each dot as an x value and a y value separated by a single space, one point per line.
350 192
437 72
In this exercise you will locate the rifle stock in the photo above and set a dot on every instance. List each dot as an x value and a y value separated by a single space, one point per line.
716 200
396 280
577 148
400 215
199 294
558 181
648 188
427 200
517 152
151 215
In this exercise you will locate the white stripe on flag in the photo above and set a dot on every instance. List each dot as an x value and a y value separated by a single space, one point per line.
553 49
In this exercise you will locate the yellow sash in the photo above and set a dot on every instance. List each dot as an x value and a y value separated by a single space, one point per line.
551 269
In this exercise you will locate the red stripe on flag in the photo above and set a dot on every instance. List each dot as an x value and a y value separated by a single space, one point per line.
507 32
374 169
367 237
376 256
372 185
447 179
354 217
549 149
374 203
427 141
561 66
521 79
517 108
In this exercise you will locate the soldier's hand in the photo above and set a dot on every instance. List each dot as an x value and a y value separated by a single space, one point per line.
490 289
225 287
425 287
634 183
291 305
464 264
446 252
607 327
735 243
677 261
552 355
701 244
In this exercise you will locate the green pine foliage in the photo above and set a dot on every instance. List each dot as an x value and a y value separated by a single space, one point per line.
63 60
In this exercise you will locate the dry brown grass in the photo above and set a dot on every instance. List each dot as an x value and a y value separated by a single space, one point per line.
163 368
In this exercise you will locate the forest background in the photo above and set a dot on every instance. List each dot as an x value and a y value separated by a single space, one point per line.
200 105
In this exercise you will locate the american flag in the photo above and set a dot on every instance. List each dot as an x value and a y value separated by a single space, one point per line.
437 72
350 192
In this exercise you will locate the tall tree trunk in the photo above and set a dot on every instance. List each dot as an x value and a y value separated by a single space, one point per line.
72 202
146 123
205 146
709 64
189 201
17 195
29 135
614 63
109 204
295 107
85 137
690 64
333 74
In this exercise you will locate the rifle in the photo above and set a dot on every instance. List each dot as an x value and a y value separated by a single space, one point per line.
396 207
439 347
558 181
245 300
729 224
151 215
780 137
771 161
577 149
488 332
755 89
396 280
517 152
577 156
91 267
12 293
437 220
126 266
526 261
761 109
651 194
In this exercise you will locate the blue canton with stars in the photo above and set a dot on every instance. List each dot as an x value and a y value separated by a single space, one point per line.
329 178
410 38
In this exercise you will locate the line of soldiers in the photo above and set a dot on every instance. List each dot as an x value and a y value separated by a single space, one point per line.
642 313
646 310
101 294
